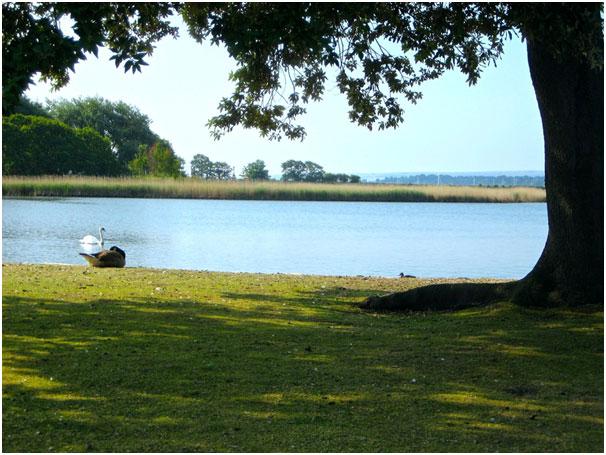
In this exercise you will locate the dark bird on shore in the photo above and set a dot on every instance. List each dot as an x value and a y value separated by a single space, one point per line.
406 276
114 257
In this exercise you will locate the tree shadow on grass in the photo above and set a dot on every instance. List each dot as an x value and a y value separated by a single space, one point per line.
179 376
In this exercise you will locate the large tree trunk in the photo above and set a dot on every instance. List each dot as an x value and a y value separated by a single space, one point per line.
571 102
570 270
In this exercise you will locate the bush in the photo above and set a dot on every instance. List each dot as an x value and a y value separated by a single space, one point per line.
159 160
34 145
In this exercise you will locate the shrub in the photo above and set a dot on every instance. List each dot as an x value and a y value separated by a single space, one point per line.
34 145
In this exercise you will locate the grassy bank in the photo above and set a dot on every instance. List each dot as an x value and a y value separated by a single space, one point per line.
270 190
175 361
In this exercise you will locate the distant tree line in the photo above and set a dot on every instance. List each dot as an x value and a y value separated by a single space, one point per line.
466 180
202 167
292 171
95 136
88 136
308 171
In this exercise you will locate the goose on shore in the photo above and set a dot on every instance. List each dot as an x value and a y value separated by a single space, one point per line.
114 257
92 240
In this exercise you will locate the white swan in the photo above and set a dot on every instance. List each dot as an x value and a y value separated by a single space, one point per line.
92 240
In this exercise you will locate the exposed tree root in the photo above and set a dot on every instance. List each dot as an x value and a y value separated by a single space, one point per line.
441 297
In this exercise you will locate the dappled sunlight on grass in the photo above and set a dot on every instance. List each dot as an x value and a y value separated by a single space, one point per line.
258 363
292 398
69 396
401 371
518 350
266 415
161 311
25 378
589 330
82 416
587 419
470 423
166 421
475 399
490 343
271 321
315 358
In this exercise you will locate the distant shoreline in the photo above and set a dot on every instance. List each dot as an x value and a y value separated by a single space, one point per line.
192 188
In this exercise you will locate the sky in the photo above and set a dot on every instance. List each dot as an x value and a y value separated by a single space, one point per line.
492 126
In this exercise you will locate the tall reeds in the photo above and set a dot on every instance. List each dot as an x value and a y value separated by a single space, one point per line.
193 188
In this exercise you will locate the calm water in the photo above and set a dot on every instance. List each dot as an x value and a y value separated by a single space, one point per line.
328 238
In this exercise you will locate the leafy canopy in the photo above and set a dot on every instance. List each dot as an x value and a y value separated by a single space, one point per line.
340 178
34 145
255 171
299 171
223 171
29 107
308 171
378 53
204 168
124 125
159 160
201 166
33 42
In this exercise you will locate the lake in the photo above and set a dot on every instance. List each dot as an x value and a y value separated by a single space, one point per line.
324 238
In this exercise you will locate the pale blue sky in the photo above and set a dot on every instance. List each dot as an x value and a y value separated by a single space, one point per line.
492 126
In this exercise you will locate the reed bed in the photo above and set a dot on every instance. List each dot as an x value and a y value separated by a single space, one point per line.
193 188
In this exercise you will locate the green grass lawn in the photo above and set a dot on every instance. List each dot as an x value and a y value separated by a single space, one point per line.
153 360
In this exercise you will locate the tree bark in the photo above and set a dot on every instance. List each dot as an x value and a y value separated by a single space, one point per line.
570 271
571 102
